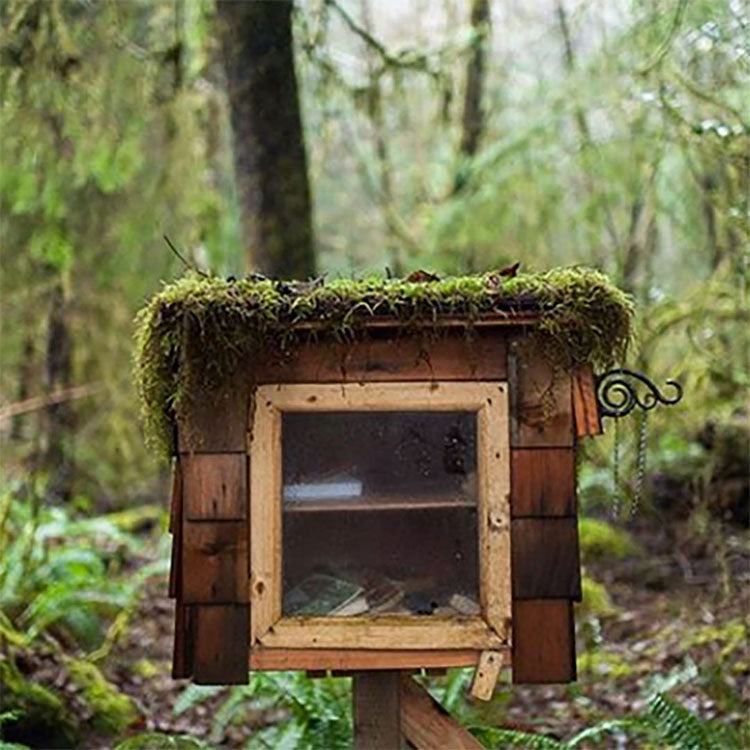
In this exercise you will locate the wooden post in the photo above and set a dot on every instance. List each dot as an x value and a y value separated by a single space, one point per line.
377 710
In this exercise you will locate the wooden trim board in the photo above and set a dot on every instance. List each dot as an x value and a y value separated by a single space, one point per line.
355 659
382 632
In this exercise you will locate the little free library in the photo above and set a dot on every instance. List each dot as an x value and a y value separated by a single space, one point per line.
376 474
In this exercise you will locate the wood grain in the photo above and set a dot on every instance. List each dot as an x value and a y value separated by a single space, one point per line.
184 642
541 403
214 566
417 396
543 482
377 710
585 407
265 514
175 526
347 660
175 502
546 562
544 641
382 632
479 355
215 486
221 647
486 675
493 472
427 725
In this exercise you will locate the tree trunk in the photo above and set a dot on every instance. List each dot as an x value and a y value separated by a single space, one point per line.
472 119
269 148
25 374
58 454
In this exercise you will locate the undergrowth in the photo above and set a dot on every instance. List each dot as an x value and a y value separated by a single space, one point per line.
67 591
583 319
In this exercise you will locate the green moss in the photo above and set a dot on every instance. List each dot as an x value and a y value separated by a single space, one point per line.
599 663
583 319
600 540
159 741
595 599
145 668
111 711
38 712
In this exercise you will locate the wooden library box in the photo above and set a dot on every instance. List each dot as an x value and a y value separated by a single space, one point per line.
402 497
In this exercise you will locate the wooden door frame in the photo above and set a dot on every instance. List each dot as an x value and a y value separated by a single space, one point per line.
491 629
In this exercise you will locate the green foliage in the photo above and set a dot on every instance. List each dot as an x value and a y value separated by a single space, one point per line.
64 574
600 540
583 319
664 723
107 121
67 580
317 712
35 708
159 741
112 711
595 599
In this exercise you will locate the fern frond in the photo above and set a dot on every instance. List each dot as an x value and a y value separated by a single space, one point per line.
514 738
679 726
192 695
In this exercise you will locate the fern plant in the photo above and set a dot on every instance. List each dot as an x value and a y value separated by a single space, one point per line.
664 723
60 573
315 713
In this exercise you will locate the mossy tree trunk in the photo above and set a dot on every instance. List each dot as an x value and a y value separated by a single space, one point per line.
60 425
269 149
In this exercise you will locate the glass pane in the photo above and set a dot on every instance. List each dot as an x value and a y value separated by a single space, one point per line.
379 513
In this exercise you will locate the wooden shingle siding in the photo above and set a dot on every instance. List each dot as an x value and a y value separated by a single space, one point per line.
541 402
215 486
585 407
546 562
214 566
184 642
454 355
543 482
221 652
209 572
544 641
175 528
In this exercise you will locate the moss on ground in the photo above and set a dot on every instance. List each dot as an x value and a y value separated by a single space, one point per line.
602 541
595 599
111 711
39 714
583 319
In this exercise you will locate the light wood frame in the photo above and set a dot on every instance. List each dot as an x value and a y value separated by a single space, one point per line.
491 629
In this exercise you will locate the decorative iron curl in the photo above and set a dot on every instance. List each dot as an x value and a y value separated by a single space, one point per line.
619 391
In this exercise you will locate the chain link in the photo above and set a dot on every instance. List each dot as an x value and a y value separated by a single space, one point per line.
640 472
616 500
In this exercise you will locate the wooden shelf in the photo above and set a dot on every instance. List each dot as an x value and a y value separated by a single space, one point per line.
378 502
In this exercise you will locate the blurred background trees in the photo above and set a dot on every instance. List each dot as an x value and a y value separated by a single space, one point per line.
454 135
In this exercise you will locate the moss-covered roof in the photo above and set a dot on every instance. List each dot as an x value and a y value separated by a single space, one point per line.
583 318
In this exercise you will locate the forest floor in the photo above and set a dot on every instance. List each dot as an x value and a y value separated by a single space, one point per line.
677 620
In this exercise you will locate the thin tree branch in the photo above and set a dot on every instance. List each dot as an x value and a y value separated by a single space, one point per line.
50 399
666 45
189 266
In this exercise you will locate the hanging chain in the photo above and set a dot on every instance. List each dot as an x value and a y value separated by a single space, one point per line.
640 472
616 473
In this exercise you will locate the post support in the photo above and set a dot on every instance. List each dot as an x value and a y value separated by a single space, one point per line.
377 710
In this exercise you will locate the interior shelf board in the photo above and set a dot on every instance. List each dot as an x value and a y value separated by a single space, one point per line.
377 503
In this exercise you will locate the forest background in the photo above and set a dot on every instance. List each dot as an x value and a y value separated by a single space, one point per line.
453 135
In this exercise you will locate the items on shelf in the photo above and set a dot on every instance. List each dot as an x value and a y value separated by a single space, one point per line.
367 592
